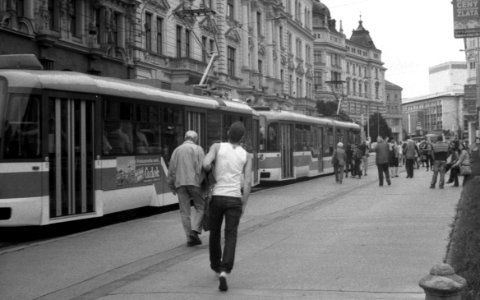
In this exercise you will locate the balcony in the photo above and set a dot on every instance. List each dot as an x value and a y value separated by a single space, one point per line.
186 63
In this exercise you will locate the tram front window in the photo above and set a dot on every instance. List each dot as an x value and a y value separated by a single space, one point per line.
21 127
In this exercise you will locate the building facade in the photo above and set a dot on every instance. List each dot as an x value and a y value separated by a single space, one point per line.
393 109
439 113
283 54
449 76
347 70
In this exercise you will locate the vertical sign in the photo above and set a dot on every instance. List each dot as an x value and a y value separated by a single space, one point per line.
466 18
470 101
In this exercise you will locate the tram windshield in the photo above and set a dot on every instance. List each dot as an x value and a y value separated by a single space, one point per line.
21 127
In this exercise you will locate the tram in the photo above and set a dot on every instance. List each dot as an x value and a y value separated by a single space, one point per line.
294 145
76 146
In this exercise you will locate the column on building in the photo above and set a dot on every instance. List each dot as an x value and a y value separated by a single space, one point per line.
269 43
244 36
255 38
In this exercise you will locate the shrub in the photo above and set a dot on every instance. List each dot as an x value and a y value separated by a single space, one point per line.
463 251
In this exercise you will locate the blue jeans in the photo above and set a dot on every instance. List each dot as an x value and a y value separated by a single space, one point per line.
229 208
186 194
438 167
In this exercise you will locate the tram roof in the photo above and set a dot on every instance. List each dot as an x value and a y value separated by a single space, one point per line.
98 85
297 117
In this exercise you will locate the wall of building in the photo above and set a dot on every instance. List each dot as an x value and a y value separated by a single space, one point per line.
448 76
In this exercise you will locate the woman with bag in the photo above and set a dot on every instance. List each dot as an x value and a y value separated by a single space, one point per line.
464 163
454 155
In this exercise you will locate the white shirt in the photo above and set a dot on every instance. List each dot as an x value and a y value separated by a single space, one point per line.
229 164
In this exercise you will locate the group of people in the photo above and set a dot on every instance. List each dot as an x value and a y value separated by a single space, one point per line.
231 167
351 159
438 156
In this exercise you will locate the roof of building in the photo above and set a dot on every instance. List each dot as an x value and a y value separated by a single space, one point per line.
320 9
462 65
391 85
361 37
458 93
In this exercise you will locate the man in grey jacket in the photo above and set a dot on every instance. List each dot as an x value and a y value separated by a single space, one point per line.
184 179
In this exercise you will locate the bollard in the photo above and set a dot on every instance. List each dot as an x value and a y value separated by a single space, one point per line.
442 283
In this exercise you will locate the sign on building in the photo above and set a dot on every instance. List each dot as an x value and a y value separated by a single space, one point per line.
470 101
466 19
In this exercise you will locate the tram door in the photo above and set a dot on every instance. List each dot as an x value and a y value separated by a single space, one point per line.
71 156
319 144
286 150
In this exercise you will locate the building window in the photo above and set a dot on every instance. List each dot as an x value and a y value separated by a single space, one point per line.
231 61
148 31
204 49
187 43
377 89
179 41
230 10
259 23
53 15
317 57
260 66
280 33
160 36
73 12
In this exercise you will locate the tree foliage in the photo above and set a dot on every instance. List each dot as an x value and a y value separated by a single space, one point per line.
329 109
378 127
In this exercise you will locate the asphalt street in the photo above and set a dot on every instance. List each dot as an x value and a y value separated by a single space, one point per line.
312 240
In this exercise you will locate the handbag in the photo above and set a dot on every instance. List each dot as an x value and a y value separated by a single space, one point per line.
465 170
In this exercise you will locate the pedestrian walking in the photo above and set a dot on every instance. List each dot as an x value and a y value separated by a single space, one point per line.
382 160
348 160
393 158
357 161
454 152
232 171
464 160
366 154
410 151
184 179
440 155
339 158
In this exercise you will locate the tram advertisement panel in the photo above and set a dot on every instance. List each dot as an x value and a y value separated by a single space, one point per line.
134 170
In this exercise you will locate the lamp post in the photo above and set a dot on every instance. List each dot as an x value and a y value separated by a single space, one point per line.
336 83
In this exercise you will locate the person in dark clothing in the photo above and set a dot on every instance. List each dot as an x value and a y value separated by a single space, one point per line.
410 151
381 159
348 161
454 155
440 155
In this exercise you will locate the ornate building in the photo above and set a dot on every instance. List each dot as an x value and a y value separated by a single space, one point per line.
277 53
350 70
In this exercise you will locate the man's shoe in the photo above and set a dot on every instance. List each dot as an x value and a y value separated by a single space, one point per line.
432 186
194 240
389 182
223 287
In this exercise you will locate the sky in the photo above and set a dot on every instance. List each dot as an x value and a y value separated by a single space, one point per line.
413 36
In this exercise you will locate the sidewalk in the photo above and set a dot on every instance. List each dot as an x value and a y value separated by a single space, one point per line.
312 240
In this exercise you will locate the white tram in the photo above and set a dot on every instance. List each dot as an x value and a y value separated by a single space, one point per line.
75 146
294 145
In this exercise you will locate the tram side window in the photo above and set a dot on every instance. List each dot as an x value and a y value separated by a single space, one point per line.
173 132
329 143
118 128
21 136
148 131
272 138
262 137
303 140
214 129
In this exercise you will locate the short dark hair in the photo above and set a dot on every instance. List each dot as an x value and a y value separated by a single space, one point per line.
236 132
439 138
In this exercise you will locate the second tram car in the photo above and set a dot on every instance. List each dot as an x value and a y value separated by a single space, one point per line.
75 146
294 145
